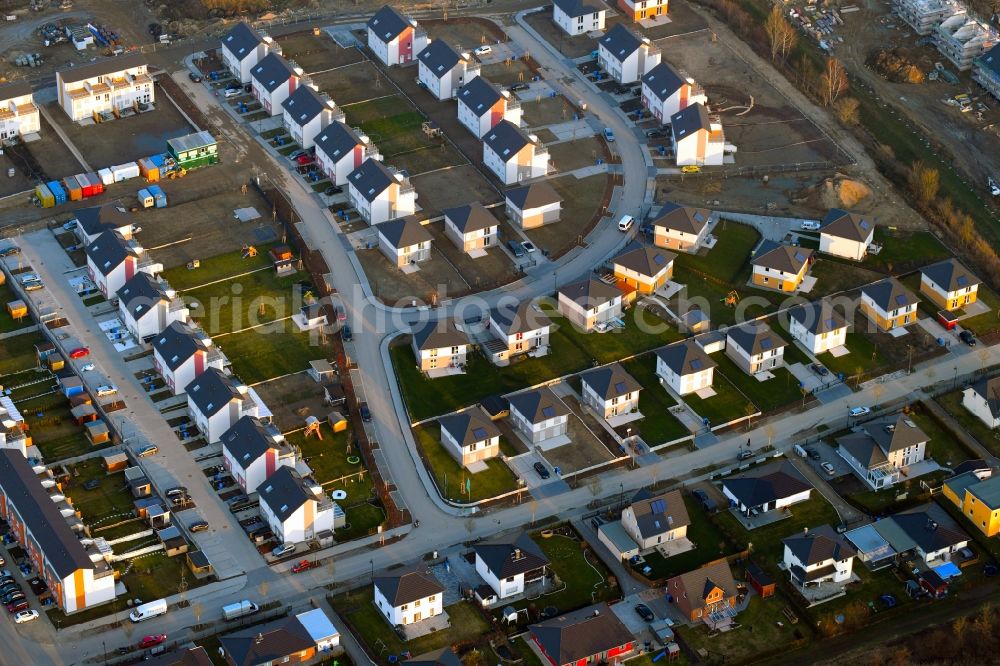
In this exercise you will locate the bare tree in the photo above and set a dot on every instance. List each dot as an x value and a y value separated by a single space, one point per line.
533 507
847 109
770 433
780 34
833 82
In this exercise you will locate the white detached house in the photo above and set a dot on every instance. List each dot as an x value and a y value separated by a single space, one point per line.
983 400
533 205
272 81
408 596
404 241
295 508
242 49
471 228
755 347
147 306
539 415
578 17
685 367
508 564
817 326
216 401
469 436
590 304
610 391
818 556
395 39
523 329
379 194
252 451
181 353
307 113
443 70
439 347
340 150
845 234
112 261
625 56
697 138
665 92
512 155
481 106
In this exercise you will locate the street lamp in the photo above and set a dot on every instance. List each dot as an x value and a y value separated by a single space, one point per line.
372 563
621 495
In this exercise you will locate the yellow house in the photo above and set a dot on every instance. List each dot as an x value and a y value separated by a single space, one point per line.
644 269
781 267
949 284
889 304
979 500
640 10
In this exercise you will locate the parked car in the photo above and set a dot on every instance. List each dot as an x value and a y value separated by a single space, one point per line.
609 134
809 225
655 134
813 454
515 248
106 389
87 367
25 616
644 611
79 352
691 168
147 450
859 411
366 414
484 50
303 565
233 92
333 189
304 158
517 87
8 250
17 607
707 503
198 526
968 338
150 641
828 468
819 369
283 549
528 246
346 334
176 491
542 470
196 78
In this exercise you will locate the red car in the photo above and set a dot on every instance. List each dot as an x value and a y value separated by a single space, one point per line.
79 352
303 565
17 606
150 641
304 159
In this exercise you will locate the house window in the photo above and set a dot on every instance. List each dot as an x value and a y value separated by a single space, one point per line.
454 350
431 598
404 607
416 604
509 580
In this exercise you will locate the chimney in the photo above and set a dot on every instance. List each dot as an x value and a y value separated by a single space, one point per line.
805 531
597 612
517 553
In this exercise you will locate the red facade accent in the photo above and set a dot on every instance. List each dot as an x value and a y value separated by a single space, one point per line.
358 156
129 268
199 363
270 459
685 89
406 46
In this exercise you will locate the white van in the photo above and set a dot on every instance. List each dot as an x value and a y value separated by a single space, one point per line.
146 611
625 223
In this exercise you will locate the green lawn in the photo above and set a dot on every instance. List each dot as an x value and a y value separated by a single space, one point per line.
157 576
710 297
863 354
727 404
709 543
643 331
952 402
942 445
391 123
237 304
729 258
903 251
584 576
793 352
219 267
451 477
8 323
372 629
769 395
18 353
272 351
110 498
989 322
658 425
53 429
759 632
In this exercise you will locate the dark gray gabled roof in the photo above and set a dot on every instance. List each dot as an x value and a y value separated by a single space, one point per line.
685 358
850 226
109 251
589 293
689 121
577 8
621 42
646 260
538 405
817 317
95 219
195 656
438 334
889 294
404 231
584 634
533 195
269 643
479 95
284 492
754 337
371 179
661 513
685 219
521 319
241 40
304 104
610 381
407 585
176 344
928 527
990 60
272 71
818 545
23 490
989 390
442 657
470 218
103 67
212 390
15 89
439 57
469 427
767 483
387 23
248 439
141 294
950 275
337 140
663 81
780 257
510 555
506 139
894 433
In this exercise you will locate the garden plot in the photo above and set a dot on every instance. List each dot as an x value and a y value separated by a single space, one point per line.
246 302
584 451
485 272
507 73
437 191
578 154
53 429
541 110
467 33
355 83
571 47
292 399
583 201
316 53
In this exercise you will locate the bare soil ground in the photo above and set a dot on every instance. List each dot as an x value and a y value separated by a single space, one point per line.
508 73
437 191
464 33
571 47
352 84
436 278
571 155
581 199
584 451
19 182
487 272
51 154
316 53
547 111
292 399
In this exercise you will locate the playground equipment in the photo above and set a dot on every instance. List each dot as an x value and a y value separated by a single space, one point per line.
193 264
312 428
249 251
732 298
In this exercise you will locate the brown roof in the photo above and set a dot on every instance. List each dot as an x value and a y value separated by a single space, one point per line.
648 261
589 293
105 66
682 218
407 586
660 514
16 89
582 634
690 589
785 258
850 226
534 195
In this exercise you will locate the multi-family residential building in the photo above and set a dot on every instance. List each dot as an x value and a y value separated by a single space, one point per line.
640 10
685 367
925 15
512 155
818 326
889 304
404 241
272 81
509 563
780 267
380 194
13 427
295 508
697 138
216 401
961 39
242 48
106 86
469 437
395 39
590 304
443 70
949 284
978 500
76 572
578 17
340 150
181 353
147 306
681 227
610 391
986 71
754 347
665 91
880 450
481 106
471 228
626 56
522 329
112 261
652 520
845 234
306 113
252 451
532 205
299 638
644 269
18 113
590 635
818 556
93 221
539 415
439 345
982 398
407 596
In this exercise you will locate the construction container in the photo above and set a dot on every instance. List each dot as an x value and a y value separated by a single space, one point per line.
107 178
149 170
194 150
158 195
146 199
159 160
58 192
96 184
86 186
17 309
44 196
73 190
125 171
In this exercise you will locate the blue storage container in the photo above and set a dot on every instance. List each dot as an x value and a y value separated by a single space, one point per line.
158 160
57 191
159 195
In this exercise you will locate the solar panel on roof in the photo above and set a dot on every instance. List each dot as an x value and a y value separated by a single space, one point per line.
765 343
548 412
699 217
696 364
658 506
864 225
829 323
799 256
658 259
620 387
900 299
479 434
962 281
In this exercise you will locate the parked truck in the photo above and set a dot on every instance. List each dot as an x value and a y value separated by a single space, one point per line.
239 609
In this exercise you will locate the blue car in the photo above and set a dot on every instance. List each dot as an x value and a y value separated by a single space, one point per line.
609 135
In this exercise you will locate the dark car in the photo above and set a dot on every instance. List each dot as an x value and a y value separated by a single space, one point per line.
968 338
518 87
333 189
516 248
194 77
707 503
888 600
655 134
813 454
18 606
819 369
542 470
345 333
366 414
645 612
